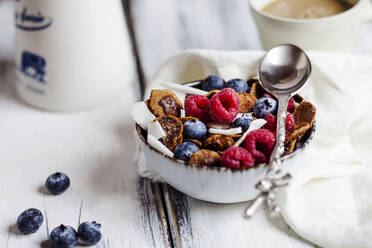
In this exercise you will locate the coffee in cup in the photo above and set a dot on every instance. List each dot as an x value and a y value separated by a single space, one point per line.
306 9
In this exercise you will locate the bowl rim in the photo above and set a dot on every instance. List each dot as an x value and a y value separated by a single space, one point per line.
226 169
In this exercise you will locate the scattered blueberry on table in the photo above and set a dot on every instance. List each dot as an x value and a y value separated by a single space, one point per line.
57 183
185 150
63 237
212 82
29 221
239 85
89 233
194 129
264 106
244 122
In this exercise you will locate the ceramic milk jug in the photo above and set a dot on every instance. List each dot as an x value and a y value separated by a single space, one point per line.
71 54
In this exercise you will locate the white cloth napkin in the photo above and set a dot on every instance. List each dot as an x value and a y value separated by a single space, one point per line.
329 200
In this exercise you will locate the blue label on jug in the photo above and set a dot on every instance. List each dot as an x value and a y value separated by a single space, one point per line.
32 21
33 66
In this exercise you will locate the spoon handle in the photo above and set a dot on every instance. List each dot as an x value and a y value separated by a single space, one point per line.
274 163
273 178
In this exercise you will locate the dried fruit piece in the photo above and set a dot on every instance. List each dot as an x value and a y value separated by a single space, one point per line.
188 118
212 93
173 128
237 157
196 142
218 142
205 157
254 89
305 112
260 143
170 106
297 132
164 102
197 106
247 101
224 106
290 147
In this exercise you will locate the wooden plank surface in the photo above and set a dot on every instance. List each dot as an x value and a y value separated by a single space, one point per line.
95 148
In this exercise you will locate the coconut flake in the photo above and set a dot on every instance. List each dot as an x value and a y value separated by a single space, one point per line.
241 114
231 131
217 125
184 89
155 130
183 114
142 115
256 124
192 84
156 144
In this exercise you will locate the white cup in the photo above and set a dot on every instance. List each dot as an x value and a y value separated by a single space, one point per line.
333 33
71 54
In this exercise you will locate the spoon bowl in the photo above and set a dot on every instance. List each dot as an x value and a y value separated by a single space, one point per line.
284 70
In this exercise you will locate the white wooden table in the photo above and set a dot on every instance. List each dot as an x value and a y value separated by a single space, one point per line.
105 187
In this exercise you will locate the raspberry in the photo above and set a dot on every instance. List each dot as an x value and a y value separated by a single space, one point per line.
260 143
290 107
224 106
237 157
290 122
271 122
197 106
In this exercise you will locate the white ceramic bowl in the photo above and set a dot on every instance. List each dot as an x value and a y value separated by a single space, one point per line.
213 184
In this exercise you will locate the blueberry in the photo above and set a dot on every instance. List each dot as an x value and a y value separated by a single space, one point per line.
194 129
212 82
185 150
29 221
244 122
63 237
264 106
239 85
89 233
57 183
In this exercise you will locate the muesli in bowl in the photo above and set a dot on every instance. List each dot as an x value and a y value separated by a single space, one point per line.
211 139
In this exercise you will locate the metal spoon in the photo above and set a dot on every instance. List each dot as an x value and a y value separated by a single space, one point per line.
283 71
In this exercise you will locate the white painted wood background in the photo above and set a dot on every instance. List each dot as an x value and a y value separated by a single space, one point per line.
105 186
